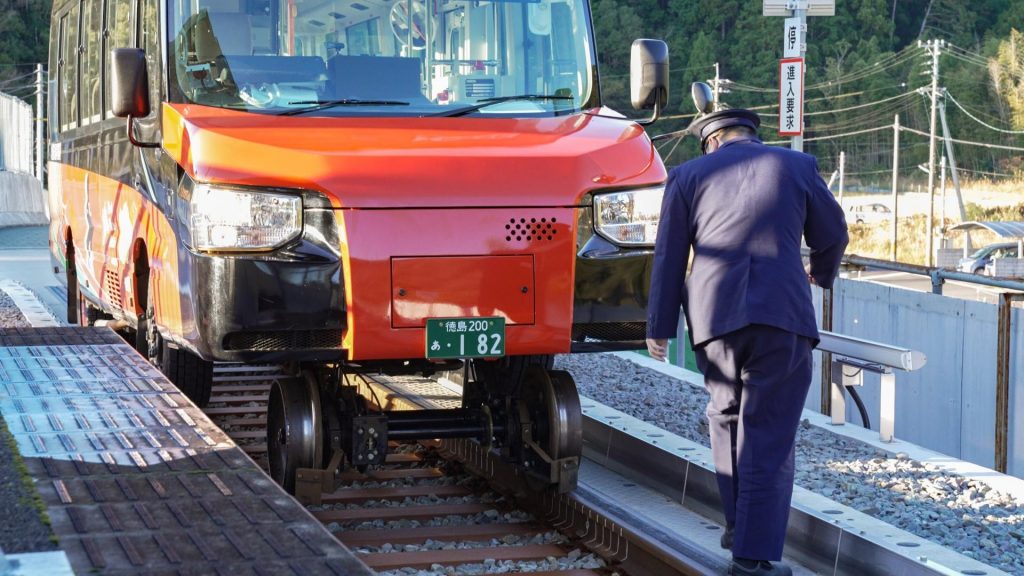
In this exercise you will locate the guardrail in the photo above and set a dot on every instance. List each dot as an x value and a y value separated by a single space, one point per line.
874 357
938 275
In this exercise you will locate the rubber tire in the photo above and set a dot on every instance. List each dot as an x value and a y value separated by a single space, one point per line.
72 295
190 373
87 314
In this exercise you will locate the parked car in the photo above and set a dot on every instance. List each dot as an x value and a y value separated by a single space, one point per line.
871 213
982 257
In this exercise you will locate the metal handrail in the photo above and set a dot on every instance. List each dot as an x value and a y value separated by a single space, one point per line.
937 275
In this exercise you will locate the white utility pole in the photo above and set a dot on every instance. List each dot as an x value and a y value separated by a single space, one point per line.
718 87
718 82
934 48
895 181
40 118
842 176
942 176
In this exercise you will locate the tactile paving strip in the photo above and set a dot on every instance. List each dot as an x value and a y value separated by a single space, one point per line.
136 478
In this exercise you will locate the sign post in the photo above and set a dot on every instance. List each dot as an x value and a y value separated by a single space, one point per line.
791 67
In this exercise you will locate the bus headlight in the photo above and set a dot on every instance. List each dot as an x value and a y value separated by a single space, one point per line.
629 217
239 220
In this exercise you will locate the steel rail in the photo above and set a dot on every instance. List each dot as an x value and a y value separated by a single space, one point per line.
634 543
822 535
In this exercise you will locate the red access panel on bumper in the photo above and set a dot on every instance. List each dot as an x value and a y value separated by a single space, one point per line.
462 286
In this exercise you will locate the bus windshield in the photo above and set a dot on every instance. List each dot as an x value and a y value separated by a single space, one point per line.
383 57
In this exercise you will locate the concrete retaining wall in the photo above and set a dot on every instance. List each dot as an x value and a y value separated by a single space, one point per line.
22 200
950 404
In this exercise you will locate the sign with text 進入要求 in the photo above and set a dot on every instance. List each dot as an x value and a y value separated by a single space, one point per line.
791 97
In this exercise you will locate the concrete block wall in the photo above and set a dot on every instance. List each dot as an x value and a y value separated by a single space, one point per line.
1008 267
948 258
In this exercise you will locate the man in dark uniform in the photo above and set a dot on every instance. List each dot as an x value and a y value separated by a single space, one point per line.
743 208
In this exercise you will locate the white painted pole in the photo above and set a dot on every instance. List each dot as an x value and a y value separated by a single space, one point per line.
801 13
842 176
895 182
40 118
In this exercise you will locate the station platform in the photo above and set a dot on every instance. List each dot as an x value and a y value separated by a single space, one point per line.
135 478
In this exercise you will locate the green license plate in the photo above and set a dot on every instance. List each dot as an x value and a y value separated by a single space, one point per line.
465 337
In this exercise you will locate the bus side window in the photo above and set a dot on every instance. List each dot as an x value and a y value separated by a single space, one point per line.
149 40
69 75
53 78
118 34
92 19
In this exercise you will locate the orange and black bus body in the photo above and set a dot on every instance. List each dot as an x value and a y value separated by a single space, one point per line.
314 181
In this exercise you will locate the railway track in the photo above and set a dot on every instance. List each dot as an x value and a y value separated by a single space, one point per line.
423 511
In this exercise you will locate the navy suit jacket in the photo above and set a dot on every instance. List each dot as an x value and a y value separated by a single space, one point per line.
742 210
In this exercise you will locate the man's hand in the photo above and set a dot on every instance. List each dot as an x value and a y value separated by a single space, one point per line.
657 348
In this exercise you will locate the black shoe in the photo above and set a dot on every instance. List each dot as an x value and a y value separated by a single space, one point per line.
763 568
727 537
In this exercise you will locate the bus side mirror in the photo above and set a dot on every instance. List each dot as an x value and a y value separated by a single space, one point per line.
129 83
648 76
703 98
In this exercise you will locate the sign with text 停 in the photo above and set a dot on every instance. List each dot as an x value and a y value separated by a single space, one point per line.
795 43
791 96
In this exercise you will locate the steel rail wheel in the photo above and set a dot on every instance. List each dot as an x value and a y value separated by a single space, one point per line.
551 406
294 428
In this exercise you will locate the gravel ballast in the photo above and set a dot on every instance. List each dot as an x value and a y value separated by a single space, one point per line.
10 316
956 512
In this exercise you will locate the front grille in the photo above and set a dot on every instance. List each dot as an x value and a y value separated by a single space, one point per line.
283 340
610 331
530 229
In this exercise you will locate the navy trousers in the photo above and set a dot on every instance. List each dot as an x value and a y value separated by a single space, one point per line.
758 377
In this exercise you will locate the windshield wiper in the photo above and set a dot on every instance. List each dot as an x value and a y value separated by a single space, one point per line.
485 102
325 104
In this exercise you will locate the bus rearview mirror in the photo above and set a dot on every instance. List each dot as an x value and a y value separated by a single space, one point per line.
129 83
648 76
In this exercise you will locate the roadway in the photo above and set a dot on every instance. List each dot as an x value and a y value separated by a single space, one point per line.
25 259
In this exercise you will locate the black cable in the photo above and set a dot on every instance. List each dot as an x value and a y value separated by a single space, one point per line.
865 420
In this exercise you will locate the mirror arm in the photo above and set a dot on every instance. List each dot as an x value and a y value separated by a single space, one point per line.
654 117
129 126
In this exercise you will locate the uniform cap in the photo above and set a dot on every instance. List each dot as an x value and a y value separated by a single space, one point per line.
708 125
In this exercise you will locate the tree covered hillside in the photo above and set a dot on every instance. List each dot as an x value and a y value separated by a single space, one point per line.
863 67
864 61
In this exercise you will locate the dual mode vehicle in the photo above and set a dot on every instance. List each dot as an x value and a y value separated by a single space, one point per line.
344 187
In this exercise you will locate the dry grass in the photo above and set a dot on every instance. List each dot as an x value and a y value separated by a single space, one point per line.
984 200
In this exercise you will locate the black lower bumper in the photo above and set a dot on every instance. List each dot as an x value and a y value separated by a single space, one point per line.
284 306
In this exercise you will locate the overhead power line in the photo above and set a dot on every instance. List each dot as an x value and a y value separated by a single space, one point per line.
891 61
978 120
7 81
965 142
858 106
835 136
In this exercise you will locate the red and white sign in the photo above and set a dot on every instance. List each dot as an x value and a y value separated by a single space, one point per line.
791 97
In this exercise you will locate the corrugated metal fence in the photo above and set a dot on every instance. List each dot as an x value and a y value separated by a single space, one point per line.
950 404
16 135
